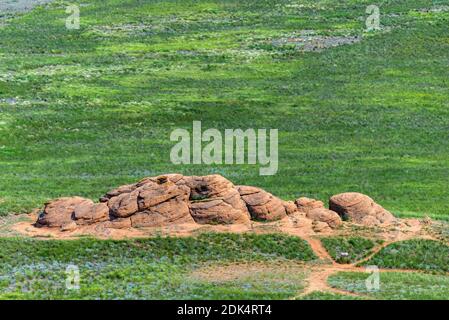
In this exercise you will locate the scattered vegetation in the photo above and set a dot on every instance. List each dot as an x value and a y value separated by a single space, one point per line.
440 229
348 250
395 285
273 280
154 268
418 254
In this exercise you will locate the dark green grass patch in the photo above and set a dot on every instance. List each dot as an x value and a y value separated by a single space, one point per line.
348 250
155 268
427 255
395 285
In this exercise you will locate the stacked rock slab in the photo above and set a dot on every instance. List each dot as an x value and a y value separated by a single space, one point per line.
263 205
173 199
360 208
153 202
215 200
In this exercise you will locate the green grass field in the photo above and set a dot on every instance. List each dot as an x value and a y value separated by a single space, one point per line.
348 249
395 285
418 254
208 266
82 111
156 268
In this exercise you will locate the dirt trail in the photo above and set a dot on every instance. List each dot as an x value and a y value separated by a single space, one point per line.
318 248
318 277
317 272
317 281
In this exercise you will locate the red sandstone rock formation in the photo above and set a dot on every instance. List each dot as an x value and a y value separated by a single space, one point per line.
173 199
359 208
315 210
263 205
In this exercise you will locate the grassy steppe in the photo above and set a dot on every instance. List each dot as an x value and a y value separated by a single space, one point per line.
208 266
417 254
82 111
395 285
427 262
156 268
348 249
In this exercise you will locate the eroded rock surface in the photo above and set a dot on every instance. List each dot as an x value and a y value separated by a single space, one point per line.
151 202
263 205
360 208
59 212
89 213
315 210
324 215
176 199
306 204
215 200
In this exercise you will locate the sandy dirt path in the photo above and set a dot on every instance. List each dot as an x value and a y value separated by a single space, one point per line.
319 275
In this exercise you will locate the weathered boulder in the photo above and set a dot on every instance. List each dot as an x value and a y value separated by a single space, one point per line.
214 187
217 211
124 204
118 223
172 198
305 204
263 205
59 212
215 200
153 194
155 201
324 215
360 208
164 213
290 207
88 213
